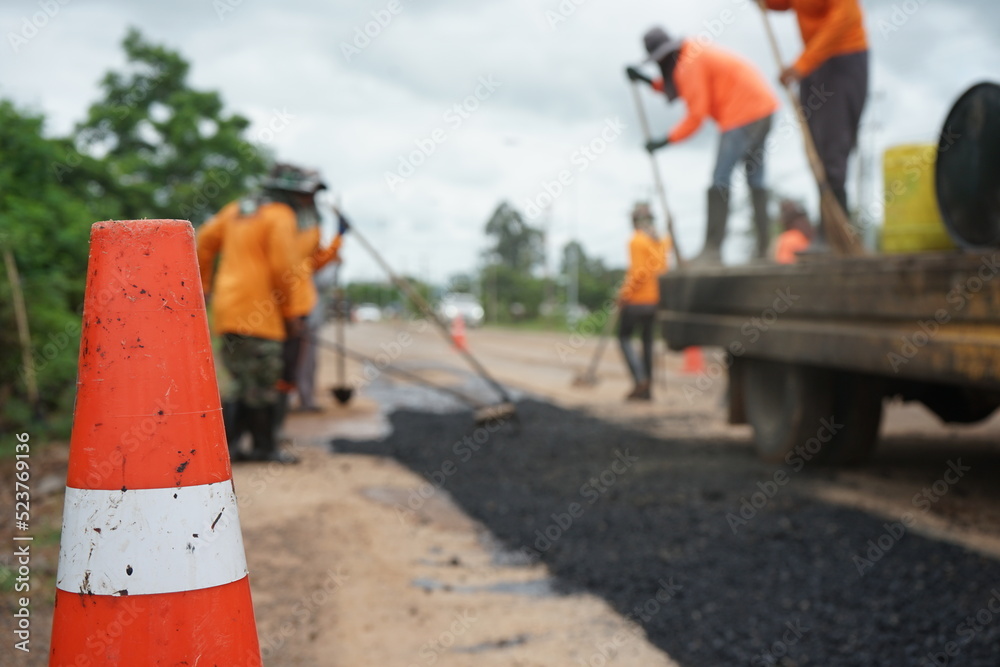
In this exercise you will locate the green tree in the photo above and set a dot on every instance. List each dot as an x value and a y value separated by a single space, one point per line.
169 151
516 244
45 224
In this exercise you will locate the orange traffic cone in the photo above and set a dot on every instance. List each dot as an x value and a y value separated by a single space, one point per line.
458 333
151 565
694 361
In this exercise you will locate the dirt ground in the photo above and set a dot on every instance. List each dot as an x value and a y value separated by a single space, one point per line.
360 560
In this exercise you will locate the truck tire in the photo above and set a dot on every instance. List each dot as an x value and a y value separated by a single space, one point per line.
785 405
857 413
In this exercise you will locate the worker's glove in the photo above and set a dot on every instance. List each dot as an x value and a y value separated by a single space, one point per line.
343 225
656 144
634 74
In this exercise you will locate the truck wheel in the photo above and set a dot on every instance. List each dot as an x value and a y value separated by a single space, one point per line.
785 404
857 414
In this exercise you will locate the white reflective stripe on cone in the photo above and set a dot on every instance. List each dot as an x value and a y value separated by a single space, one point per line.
148 541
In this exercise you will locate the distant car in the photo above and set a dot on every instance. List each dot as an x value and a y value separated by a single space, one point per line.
367 312
455 304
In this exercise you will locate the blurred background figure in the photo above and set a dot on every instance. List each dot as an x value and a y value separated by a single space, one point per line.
797 234
639 295
249 295
717 84
297 187
832 74
314 260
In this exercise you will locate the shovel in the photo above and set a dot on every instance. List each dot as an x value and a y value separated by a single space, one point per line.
589 378
342 392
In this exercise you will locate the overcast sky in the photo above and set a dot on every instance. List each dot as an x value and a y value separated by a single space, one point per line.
535 81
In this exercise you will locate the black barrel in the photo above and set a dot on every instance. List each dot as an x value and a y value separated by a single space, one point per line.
967 175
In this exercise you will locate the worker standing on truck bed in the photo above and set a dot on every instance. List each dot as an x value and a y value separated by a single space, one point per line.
832 74
717 84
639 295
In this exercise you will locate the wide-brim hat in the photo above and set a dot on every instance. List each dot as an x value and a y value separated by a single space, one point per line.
659 44
291 178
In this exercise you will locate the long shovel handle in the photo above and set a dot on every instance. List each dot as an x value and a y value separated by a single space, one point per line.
341 315
421 303
389 369
601 344
844 238
658 180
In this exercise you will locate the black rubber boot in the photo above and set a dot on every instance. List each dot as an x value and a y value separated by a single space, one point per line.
263 425
715 230
234 419
761 221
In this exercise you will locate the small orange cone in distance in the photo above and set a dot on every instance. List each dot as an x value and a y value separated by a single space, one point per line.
694 361
151 567
458 332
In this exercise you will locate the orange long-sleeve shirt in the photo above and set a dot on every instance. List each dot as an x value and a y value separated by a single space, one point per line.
310 257
829 28
790 243
254 282
720 85
647 261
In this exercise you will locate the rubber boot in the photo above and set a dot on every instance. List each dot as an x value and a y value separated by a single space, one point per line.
715 230
234 420
761 221
263 426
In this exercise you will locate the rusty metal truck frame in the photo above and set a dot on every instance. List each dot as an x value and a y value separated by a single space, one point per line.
813 349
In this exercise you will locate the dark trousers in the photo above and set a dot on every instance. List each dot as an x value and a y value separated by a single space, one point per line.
643 318
833 98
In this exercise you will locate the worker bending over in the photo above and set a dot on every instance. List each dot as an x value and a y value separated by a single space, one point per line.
717 84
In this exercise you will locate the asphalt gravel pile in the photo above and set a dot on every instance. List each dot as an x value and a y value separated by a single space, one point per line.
660 529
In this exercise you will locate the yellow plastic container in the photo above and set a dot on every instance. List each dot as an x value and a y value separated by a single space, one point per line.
912 220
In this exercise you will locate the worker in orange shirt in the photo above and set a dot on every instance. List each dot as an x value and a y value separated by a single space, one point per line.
312 257
832 74
249 294
720 85
638 298
797 235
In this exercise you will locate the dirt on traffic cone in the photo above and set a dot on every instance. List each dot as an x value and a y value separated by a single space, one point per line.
694 361
151 567
458 333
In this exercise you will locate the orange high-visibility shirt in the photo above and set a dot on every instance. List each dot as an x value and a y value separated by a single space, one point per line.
310 257
647 261
789 243
721 85
829 28
254 281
